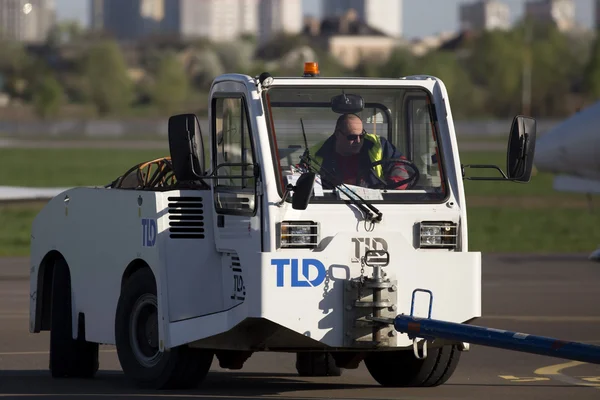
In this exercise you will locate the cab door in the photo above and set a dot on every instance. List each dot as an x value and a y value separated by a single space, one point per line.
236 205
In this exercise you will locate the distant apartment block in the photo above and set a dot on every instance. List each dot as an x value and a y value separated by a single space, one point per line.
216 20
128 20
249 17
561 12
383 15
27 21
279 17
484 15
597 16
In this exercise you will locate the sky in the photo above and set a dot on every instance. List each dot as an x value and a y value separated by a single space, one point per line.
420 17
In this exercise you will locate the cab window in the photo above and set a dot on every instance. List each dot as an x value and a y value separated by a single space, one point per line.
234 157
301 118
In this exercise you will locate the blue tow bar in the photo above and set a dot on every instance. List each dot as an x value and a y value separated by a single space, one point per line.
427 328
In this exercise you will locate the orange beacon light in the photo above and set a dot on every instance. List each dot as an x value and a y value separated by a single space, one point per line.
311 69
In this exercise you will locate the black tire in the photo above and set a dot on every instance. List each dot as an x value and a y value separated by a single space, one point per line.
68 357
403 369
179 368
316 364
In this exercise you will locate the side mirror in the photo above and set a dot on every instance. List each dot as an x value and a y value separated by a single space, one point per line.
185 139
303 190
521 149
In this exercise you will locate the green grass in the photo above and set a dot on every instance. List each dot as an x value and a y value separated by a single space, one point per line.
540 184
491 229
15 228
503 216
69 167
77 167
496 229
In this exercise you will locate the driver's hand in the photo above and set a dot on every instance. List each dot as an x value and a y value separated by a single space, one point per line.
397 174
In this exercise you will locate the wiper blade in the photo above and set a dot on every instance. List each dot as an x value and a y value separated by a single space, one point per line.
372 213
359 202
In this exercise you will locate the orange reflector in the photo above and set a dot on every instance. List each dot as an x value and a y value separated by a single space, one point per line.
311 69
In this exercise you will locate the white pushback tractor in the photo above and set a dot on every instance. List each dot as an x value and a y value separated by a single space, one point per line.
241 242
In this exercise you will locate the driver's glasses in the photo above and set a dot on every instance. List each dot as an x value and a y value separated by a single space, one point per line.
355 137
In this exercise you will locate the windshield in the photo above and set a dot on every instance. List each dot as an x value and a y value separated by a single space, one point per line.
385 151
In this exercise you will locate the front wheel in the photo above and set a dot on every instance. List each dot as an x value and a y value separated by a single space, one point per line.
136 334
403 369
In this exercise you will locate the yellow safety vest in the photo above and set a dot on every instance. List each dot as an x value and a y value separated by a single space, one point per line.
375 153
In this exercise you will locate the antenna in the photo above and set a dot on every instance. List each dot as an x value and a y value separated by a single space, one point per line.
304 134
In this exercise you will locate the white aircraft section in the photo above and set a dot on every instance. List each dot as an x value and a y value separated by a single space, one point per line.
575 184
571 150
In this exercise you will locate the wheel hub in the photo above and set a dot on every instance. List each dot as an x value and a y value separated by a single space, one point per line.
143 328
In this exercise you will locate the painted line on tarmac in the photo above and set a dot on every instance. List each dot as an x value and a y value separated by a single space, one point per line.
175 395
153 395
554 372
37 353
145 395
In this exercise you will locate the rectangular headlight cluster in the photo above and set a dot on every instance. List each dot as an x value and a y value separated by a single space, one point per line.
299 234
438 235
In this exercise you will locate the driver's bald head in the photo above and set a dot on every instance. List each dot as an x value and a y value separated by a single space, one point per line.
348 124
348 133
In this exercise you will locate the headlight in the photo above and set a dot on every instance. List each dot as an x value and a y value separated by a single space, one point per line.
299 234
438 235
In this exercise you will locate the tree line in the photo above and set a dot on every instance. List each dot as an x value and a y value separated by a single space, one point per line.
532 68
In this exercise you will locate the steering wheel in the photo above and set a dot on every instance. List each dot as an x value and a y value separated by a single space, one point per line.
412 179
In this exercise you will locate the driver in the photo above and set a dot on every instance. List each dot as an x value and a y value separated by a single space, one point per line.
349 153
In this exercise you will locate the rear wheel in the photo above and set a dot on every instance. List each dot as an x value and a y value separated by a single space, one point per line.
68 357
403 369
136 332
316 364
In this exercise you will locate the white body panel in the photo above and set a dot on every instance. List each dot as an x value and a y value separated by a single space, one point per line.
225 276
317 311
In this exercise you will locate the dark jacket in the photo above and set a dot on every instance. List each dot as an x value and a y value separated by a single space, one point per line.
374 148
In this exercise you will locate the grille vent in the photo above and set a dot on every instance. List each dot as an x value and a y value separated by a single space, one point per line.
186 218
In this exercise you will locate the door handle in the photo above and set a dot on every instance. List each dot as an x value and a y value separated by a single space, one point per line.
220 221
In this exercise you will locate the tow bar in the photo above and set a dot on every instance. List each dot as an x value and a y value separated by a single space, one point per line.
427 328
430 329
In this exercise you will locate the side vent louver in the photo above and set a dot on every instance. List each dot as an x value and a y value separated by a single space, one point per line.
186 218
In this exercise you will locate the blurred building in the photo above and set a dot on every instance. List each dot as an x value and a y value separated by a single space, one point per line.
350 40
484 15
215 20
560 12
383 15
27 21
249 17
128 20
597 15
279 17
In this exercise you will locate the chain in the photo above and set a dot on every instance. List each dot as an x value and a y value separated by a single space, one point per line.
326 286
362 278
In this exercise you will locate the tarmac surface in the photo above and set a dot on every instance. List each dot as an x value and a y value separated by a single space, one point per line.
556 296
